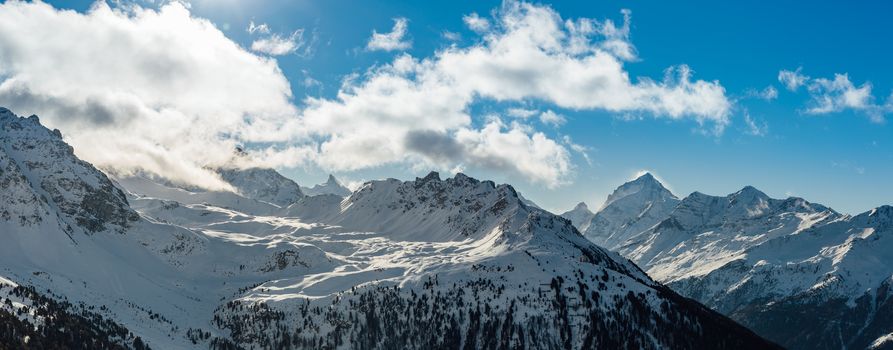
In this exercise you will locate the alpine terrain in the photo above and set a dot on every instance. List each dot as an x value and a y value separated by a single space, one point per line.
796 272
133 261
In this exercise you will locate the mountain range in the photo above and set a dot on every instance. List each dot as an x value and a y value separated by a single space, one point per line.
97 260
797 273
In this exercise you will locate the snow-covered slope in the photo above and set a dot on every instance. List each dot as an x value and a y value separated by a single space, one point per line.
143 186
632 208
447 263
331 186
415 264
796 272
266 185
580 216
825 286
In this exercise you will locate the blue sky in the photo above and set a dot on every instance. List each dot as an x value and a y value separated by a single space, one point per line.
842 158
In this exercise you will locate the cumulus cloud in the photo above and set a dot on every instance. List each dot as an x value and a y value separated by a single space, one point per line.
415 109
390 41
138 89
830 95
532 53
476 22
165 92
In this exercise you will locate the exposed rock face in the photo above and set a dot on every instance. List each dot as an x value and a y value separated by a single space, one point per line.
44 174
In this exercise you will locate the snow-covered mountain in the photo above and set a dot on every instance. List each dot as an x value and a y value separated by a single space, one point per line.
796 272
331 186
580 216
397 264
263 184
633 207
461 262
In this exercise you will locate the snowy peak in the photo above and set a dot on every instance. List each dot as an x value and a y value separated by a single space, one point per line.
699 210
42 166
434 210
331 186
263 184
645 185
580 216
633 207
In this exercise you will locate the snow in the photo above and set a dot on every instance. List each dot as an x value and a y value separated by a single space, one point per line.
193 257
331 187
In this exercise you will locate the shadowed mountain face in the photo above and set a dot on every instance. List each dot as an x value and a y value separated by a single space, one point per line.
427 263
796 272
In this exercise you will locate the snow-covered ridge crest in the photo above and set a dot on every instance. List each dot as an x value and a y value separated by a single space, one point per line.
632 208
431 209
42 166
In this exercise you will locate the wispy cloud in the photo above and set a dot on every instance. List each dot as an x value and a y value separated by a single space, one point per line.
836 94
755 127
275 44
768 93
392 41
476 22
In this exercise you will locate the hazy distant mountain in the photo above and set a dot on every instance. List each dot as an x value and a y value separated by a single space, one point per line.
331 186
580 216
262 184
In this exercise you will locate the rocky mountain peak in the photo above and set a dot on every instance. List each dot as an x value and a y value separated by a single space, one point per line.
81 194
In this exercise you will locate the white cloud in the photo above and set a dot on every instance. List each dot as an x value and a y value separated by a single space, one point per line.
390 41
834 95
416 110
101 75
476 22
793 80
521 113
277 45
138 89
451 36
754 127
838 94
262 28
551 118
